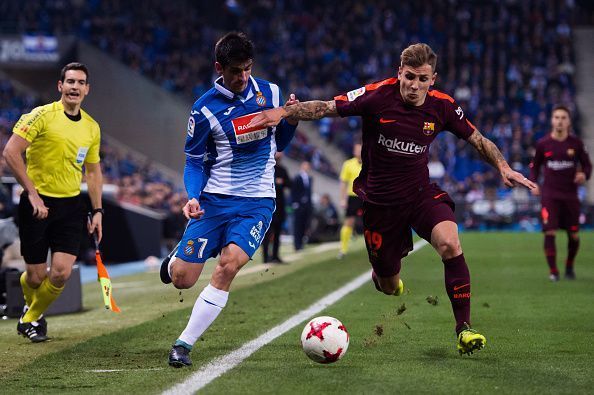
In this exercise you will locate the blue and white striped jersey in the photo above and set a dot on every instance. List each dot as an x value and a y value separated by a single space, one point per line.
224 156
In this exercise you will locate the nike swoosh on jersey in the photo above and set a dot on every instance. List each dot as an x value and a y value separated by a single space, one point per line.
461 286
384 120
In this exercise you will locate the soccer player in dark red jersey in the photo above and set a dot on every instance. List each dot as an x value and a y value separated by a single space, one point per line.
567 165
401 117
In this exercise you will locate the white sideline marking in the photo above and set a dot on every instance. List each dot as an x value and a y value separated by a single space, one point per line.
118 370
223 364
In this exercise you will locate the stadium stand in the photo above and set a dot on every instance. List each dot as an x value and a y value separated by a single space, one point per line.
507 63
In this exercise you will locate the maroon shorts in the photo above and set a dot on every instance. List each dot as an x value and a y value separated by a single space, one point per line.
388 229
560 214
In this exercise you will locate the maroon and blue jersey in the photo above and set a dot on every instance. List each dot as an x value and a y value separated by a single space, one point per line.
561 160
396 138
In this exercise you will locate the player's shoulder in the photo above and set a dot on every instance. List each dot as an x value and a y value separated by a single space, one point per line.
207 99
375 88
44 110
85 115
546 139
354 162
264 83
41 112
574 139
440 97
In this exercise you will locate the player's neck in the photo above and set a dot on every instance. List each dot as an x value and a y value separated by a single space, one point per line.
559 135
71 109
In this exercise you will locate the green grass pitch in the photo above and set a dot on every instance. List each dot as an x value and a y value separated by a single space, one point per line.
539 334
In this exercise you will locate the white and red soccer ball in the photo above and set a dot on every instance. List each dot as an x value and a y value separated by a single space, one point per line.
325 339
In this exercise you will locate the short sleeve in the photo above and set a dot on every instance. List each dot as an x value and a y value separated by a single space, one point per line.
353 103
456 121
93 154
198 131
30 125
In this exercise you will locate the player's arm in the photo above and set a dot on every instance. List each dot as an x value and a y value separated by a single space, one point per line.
344 184
535 166
305 111
586 167
195 176
13 154
287 127
491 154
94 178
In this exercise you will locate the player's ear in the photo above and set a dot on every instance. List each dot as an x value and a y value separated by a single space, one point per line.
60 86
433 78
219 68
400 72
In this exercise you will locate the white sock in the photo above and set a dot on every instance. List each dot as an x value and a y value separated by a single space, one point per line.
207 308
169 265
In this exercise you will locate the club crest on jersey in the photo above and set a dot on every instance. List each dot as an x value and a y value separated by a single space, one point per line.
428 128
260 99
570 152
352 95
189 248
245 134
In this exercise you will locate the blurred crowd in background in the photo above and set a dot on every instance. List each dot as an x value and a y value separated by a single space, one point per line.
506 63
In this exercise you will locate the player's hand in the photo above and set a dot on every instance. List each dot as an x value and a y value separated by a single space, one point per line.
292 100
268 118
343 203
95 224
512 179
535 191
580 178
40 211
192 209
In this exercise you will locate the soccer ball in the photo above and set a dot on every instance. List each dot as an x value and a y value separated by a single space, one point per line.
325 339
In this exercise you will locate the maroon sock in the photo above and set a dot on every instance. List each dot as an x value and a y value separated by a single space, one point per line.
572 249
551 253
457 283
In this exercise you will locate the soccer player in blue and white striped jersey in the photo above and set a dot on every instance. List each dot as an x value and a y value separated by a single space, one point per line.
229 177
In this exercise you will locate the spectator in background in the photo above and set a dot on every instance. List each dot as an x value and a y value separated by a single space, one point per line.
282 182
349 201
302 205
325 222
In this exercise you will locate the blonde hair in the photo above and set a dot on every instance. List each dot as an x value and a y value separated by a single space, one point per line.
417 55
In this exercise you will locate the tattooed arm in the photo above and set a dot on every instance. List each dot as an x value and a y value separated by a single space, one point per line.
491 154
306 111
312 110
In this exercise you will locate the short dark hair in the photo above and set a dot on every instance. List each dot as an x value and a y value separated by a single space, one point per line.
562 107
234 47
417 55
74 66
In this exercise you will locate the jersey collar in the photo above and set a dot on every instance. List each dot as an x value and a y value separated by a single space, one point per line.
218 84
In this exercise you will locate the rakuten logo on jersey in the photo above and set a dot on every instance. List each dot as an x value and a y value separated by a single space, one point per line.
560 164
401 147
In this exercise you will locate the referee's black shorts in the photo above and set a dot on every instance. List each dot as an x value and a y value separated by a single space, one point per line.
354 207
61 231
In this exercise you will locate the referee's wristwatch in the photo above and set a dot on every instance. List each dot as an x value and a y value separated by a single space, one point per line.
98 210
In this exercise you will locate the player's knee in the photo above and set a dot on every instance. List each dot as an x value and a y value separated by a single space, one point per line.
59 276
181 279
449 247
35 277
227 268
